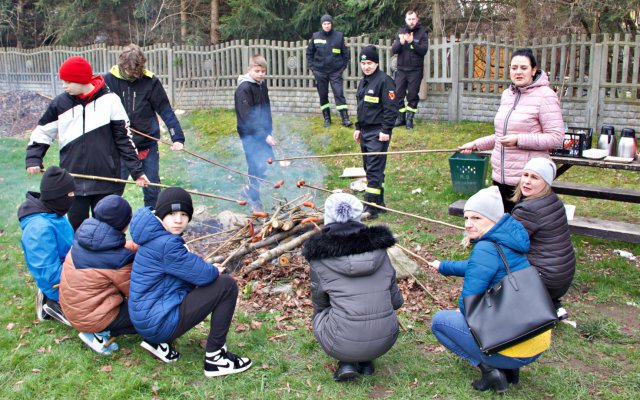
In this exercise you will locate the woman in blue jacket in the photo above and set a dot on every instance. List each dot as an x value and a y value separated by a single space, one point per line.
172 290
485 224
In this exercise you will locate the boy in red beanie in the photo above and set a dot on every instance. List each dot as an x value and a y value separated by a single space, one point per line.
94 135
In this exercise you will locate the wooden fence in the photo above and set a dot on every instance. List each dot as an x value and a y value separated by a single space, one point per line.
591 69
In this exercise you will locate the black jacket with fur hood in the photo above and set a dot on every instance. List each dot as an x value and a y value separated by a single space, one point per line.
354 290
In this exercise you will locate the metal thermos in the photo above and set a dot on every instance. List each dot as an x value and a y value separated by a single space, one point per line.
627 147
607 140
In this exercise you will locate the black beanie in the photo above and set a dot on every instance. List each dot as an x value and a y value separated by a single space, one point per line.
114 211
326 18
56 183
370 53
174 199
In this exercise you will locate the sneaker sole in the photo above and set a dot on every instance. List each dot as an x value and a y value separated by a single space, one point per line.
55 315
40 314
106 352
154 353
210 374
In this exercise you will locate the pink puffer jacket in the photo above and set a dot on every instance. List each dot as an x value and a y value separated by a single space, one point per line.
533 113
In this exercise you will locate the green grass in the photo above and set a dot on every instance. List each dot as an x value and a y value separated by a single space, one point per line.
600 359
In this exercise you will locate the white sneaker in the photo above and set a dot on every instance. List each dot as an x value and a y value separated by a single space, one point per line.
162 351
97 341
40 300
222 362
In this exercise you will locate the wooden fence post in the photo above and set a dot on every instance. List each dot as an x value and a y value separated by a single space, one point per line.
171 80
245 56
596 64
52 74
454 95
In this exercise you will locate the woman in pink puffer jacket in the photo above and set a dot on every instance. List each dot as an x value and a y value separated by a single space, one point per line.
528 124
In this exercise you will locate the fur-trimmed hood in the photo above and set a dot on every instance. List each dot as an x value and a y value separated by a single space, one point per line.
338 240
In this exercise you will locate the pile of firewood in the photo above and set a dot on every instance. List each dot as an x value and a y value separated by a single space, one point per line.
269 234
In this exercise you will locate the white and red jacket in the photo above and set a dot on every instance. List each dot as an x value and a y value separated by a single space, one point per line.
93 134
533 113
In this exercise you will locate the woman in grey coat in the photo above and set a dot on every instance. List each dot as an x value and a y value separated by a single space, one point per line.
353 288
543 215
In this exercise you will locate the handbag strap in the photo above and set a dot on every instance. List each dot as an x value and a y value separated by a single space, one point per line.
504 258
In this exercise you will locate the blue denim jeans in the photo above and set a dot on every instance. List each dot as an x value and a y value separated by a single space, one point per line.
151 168
451 329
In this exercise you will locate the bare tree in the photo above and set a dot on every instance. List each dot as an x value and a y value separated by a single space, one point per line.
215 21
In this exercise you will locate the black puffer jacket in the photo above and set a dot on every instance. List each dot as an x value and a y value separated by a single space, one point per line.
354 291
551 251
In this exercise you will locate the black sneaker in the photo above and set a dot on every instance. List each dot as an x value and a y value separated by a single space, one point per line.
41 299
162 351
222 362
53 309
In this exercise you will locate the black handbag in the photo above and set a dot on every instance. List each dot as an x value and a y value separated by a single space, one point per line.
515 309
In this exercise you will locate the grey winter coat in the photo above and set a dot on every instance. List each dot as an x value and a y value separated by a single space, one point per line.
551 251
354 291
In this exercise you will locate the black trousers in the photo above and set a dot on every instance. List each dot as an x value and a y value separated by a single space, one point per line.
408 84
322 83
218 299
373 165
122 324
506 192
80 208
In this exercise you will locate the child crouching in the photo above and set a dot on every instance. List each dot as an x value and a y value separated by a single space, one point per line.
353 288
173 290
94 284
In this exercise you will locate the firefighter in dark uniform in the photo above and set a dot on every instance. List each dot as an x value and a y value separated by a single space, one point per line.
327 57
377 112
411 46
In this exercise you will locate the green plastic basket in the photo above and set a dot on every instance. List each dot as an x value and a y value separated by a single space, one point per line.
468 172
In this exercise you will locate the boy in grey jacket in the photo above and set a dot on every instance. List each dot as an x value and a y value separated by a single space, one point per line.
353 288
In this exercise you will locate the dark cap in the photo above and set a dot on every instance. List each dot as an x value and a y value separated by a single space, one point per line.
370 53
114 211
56 183
174 199
326 18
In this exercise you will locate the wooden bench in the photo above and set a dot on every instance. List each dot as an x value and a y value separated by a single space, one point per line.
596 192
592 227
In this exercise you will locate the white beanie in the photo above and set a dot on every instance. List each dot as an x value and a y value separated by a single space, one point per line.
487 202
543 167
342 207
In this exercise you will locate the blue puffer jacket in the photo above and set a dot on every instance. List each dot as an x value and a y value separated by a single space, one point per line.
485 268
164 272
46 240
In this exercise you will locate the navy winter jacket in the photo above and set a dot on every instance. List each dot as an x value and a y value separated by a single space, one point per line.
164 272
485 268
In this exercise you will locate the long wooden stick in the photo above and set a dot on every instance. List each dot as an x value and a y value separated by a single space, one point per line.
411 253
276 185
212 235
302 183
117 180
373 153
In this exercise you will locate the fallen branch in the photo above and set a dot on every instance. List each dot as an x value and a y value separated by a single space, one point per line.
277 251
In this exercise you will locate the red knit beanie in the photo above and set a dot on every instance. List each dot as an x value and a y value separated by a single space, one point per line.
76 69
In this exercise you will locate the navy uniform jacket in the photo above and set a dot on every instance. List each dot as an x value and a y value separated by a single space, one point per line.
411 55
377 105
327 52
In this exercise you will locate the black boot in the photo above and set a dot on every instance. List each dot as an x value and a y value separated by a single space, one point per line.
492 378
410 115
326 113
372 210
345 118
401 119
366 368
513 375
345 372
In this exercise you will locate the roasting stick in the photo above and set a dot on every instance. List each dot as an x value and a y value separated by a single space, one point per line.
212 235
373 153
108 179
276 185
411 253
435 221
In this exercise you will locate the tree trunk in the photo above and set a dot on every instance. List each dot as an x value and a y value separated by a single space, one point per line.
215 21
183 21
436 16
19 33
521 28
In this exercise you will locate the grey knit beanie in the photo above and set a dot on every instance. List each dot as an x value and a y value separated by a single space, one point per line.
342 207
486 202
543 167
